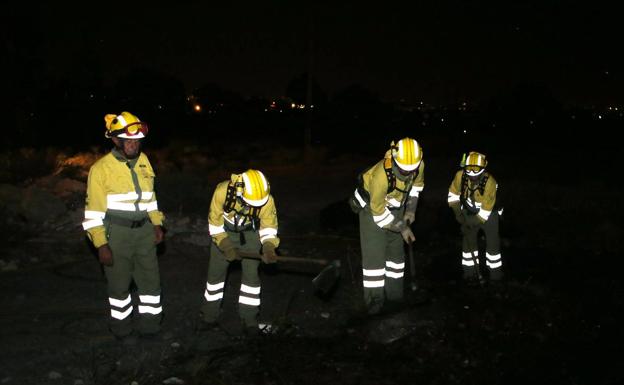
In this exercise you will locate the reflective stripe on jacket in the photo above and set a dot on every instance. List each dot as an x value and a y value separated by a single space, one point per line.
111 190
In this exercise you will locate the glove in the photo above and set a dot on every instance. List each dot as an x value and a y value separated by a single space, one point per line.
268 253
472 221
459 215
409 217
354 204
408 235
410 210
105 255
229 250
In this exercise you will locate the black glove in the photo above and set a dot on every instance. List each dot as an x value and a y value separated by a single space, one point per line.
229 250
268 253
472 221
459 215
354 204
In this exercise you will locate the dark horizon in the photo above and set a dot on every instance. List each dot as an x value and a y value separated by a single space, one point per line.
435 53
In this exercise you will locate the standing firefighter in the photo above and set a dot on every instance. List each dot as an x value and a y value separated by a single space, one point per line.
472 196
242 216
386 200
124 224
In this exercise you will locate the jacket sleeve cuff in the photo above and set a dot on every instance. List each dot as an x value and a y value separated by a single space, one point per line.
156 217
98 237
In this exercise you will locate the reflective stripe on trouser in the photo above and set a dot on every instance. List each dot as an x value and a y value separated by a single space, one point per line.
492 258
134 258
249 290
383 263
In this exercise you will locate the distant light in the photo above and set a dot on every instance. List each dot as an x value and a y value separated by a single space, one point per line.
465 132
441 119
530 122
292 105
160 107
599 116
91 96
266 109
197 107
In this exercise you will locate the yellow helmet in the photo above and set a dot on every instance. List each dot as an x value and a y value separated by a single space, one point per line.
407 154
255 189
125 125
474 164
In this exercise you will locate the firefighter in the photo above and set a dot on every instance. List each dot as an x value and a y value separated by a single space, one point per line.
124 224
242 216
385 200
472 197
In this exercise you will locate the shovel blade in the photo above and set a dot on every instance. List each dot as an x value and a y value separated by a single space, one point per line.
327 278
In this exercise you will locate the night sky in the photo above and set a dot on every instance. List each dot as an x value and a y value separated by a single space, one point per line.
439 52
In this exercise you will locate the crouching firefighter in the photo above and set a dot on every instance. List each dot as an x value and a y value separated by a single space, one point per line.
242 216
472 197
385 200
123 222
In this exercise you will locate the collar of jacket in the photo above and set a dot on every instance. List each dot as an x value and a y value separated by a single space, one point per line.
119 156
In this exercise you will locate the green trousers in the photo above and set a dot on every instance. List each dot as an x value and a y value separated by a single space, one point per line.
249 294
134 259
383 263
470 249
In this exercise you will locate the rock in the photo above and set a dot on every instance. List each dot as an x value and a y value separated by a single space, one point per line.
173 380
10 197
5 380
78 381
11 266
55 375
39 205
325 315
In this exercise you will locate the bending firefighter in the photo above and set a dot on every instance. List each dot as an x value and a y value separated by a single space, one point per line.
385 200
472 197
124 224
242 216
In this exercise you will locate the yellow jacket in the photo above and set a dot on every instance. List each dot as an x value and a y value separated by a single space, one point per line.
376 185
111 191
472 195
217 217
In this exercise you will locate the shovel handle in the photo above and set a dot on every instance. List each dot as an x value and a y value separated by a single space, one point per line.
249 255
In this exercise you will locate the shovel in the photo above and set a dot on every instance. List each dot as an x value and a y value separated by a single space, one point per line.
323 282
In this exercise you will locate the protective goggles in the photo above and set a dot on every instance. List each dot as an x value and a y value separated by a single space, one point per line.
136 130
474 170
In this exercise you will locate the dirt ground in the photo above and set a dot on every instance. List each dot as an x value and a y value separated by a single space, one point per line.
555 320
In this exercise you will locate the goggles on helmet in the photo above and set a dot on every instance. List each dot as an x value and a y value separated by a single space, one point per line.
132 130
474 170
